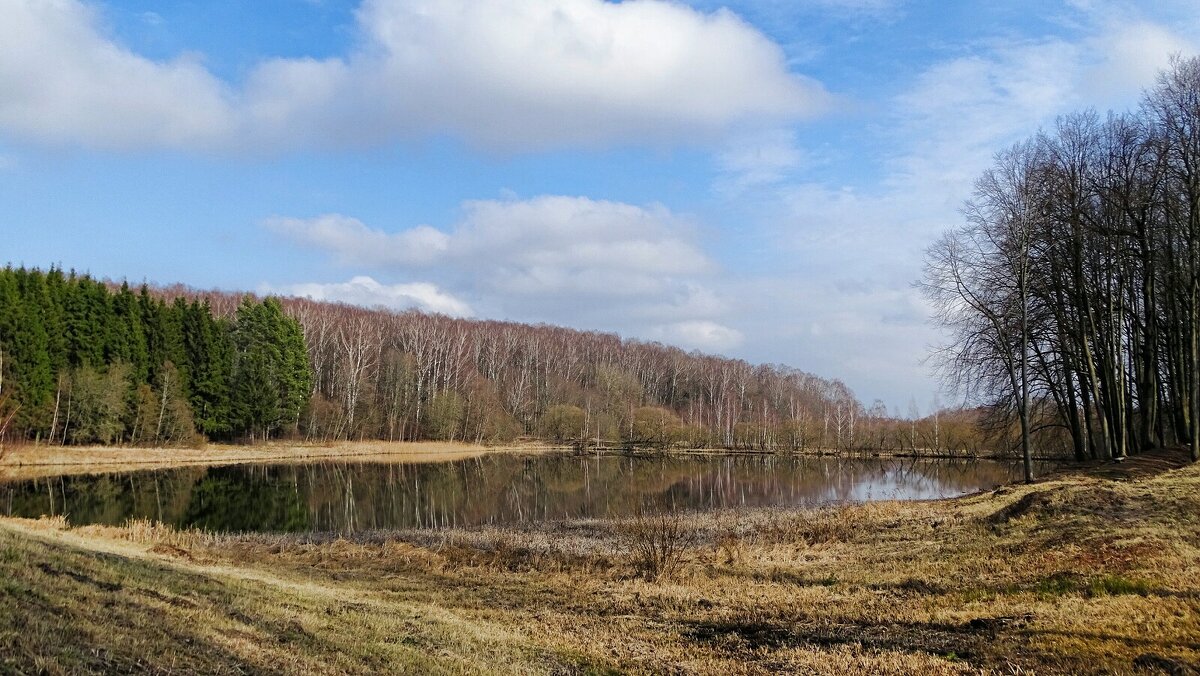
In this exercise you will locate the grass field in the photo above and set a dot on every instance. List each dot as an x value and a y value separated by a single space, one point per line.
1081 573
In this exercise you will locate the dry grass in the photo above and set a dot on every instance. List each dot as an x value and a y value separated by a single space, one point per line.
31 461
1078 574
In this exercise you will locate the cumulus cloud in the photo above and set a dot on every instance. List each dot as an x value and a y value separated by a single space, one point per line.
555 243
63 82
365 291
576 244
569 260
352 242
508 74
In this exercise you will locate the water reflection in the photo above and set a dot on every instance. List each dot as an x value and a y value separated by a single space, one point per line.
486 490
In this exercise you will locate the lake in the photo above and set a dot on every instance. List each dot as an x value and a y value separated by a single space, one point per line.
492 489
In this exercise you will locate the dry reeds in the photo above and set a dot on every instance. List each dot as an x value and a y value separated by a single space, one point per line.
56 522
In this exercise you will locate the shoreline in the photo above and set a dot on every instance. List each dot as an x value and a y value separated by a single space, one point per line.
40 461
31 462
29 455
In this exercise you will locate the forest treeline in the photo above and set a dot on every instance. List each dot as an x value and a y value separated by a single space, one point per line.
1072 291
82 363
96 362
380 374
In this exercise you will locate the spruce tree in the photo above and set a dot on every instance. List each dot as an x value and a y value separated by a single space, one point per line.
25 345
208 360
272 378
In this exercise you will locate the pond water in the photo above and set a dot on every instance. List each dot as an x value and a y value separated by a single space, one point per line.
494 489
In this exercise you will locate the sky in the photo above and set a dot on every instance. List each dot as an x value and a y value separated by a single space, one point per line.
753 178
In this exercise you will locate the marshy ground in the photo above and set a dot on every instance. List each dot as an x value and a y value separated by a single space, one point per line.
1095 571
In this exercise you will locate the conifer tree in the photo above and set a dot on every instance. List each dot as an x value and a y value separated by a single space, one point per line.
272 380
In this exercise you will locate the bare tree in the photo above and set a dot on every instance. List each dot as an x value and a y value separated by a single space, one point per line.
1174 106
977 279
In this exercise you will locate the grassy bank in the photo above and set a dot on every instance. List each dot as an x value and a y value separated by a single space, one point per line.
29 461
1095 573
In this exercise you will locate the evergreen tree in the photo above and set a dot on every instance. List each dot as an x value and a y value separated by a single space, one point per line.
208 353
87 322
272 379
53 306
297 373
27 373
128 336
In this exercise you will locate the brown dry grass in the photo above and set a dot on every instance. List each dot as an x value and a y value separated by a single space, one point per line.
31 461
1077 574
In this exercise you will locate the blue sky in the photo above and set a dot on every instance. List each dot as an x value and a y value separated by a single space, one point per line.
755 178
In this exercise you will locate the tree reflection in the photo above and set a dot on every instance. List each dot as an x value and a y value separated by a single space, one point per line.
226 501
486 490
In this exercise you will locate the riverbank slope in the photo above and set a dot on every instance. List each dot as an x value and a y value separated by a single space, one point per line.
1080 573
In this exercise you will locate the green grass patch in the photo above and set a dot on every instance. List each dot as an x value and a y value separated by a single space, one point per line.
974 595
1115 585
1065 584
1058 584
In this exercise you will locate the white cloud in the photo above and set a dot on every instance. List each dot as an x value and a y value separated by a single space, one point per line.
511 73
352 242
963 110
508 74
945 129
568 260
1132 54
548 243
759 158
871 334
365 291
568 238
63 82
705 335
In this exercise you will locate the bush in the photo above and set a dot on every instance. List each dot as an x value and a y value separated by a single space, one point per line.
563 422
657 543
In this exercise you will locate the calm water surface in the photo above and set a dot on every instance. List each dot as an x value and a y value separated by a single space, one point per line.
496 489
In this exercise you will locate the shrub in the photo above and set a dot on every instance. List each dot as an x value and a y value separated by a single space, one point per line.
657 544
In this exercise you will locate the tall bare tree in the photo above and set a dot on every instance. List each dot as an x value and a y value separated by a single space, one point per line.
977 279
